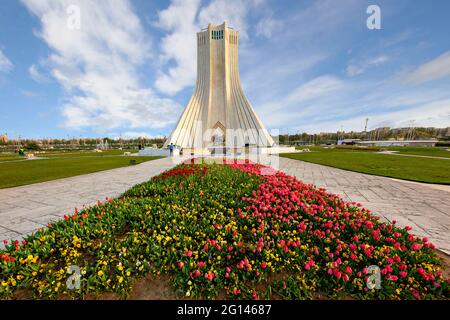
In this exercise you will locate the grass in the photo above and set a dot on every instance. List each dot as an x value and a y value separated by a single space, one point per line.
59 154
408 168
84 154
20 173
422 151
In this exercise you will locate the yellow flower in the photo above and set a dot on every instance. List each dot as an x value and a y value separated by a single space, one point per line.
120 279
100 273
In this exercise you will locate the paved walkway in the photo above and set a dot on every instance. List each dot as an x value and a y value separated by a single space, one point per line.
27 208
426 209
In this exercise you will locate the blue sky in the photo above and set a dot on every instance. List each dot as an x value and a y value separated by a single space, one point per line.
130 67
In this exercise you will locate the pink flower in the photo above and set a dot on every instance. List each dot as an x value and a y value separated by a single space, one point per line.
181 264
348 270
403 274
236 291
392 277
201 264
189 253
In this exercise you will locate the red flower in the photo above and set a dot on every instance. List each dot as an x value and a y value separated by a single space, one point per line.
201 264
209 276
181 264
348 270
236 291
403 274
5 241
189 253
263 265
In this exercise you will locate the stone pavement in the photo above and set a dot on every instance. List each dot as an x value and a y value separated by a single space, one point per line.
426 209
27 208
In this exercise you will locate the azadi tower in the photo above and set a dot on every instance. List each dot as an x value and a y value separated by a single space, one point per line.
218 114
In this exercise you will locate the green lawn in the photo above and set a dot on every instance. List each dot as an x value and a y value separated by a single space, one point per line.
408 168
84 153
32 171
423 151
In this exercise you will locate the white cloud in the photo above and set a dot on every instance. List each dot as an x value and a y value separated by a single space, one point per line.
5 64
435 69
313 89
267 26
325 104
28 94
182 20
178 46
431 114
98 65
355 69
36 74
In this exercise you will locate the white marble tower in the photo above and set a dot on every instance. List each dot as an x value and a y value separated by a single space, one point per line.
218 113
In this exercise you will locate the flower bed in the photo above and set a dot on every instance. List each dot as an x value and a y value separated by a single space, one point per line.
224 230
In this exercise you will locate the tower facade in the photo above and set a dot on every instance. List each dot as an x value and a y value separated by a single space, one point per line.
218 113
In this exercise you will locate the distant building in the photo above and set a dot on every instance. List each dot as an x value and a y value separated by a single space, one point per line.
399 143
3 138
348 141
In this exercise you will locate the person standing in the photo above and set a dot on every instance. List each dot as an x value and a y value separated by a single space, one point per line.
171 149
